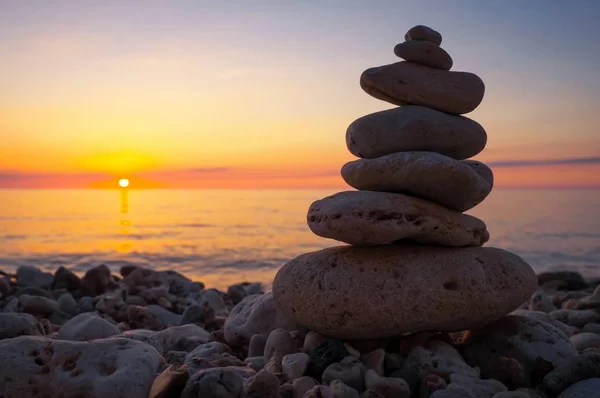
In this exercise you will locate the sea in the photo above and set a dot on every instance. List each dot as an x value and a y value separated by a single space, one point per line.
222 237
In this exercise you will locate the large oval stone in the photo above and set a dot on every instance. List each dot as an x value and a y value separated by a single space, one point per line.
415 128
374 292
374 218
456 184
404 83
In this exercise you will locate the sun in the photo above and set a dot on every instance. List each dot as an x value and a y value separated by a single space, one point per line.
123 182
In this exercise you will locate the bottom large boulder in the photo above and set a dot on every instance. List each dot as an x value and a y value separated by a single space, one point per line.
380 291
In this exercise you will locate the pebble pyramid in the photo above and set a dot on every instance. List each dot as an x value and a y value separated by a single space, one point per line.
414 261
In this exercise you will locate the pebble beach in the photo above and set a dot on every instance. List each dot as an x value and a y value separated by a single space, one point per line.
146 333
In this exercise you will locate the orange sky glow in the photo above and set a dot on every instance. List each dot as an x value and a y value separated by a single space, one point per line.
88 100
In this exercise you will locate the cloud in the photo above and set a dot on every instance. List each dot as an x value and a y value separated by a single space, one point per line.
207 169
18 175
20 179
544 162
225 173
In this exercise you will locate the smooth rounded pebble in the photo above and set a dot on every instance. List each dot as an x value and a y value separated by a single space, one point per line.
388 386
432 383
424 53
295 365
404 83
349 370
570 280
257 345
571 371
4 286
374 218
341 390
170 382
38 305
256 313
582 341
67 303
146 336
319 392
588 388
65 279
536 345
458 185
591 328
577 318
430 361
87 326
279 344
421 32
38 366
19 324
477 387
214 382
263 385
542 316
415 128
182 338
209 351
33 277
303 384
359 292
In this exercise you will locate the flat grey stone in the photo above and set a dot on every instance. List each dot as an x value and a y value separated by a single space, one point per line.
415 128
375 218
458 185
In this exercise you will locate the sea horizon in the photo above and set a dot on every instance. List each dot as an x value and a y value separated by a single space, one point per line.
333 189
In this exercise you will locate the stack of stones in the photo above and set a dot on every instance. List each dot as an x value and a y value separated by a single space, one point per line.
415 261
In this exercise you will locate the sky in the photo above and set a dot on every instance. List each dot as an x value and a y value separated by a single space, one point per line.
258 94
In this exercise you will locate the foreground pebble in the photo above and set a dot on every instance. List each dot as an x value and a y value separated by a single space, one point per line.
537 346
87 326
19 324
255 314
38 366
214 382
571 371
583 389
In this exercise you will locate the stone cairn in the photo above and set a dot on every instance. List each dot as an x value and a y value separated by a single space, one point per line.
415 261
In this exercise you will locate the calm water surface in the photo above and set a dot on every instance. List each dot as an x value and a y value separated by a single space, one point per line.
223 237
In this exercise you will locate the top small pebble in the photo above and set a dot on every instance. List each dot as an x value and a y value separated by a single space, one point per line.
421 32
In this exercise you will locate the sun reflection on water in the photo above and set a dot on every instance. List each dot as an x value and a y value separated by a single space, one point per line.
125 245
